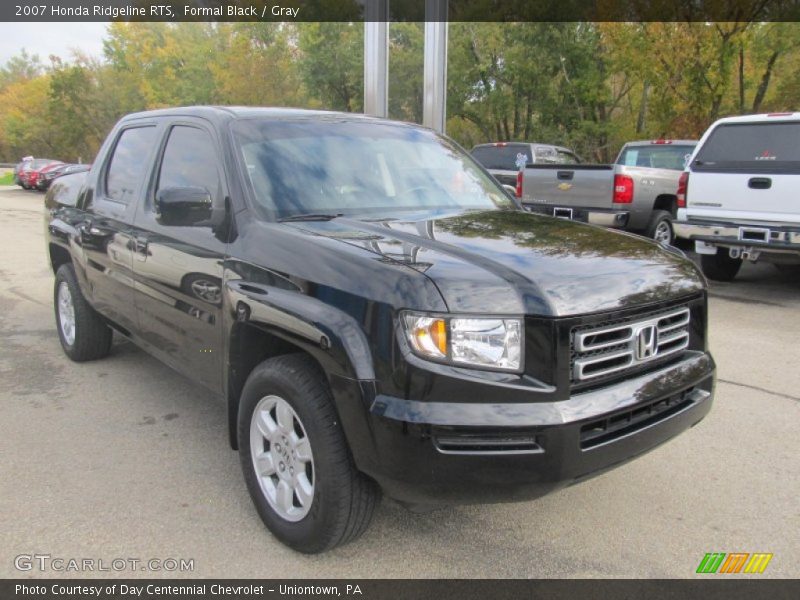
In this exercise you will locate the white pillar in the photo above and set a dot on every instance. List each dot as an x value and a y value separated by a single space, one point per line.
434 101
376 58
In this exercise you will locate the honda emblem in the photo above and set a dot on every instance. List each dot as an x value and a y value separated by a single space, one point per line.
646 342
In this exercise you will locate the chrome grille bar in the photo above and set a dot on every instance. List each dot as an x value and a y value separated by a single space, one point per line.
606 350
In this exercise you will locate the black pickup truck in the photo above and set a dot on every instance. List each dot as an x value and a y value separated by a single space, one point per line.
376 311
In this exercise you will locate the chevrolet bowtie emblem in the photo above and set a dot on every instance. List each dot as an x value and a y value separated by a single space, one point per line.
564 186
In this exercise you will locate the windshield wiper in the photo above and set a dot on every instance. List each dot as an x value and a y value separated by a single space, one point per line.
311 217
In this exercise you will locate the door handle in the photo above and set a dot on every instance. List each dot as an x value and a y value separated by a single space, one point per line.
248 289
140 247
565 175
759 183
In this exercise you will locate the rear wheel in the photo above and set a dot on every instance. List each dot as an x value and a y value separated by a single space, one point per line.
82 332
720 266
295 458
660 227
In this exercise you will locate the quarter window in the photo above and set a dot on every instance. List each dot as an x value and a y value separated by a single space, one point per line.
128 164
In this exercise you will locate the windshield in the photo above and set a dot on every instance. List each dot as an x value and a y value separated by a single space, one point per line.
353 168
657 156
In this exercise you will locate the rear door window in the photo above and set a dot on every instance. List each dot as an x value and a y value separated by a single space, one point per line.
751 147
128 163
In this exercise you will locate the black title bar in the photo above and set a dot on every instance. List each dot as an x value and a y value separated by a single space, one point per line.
399 10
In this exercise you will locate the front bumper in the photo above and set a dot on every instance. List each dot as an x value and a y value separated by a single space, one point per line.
425 453
765 237
605 218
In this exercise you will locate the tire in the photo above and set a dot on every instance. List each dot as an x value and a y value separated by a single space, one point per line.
720 266
660 227
342 500
86 337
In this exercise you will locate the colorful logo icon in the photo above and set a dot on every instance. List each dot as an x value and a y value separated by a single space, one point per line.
735 562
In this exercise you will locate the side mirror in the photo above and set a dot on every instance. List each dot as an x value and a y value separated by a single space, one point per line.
183 206
510 189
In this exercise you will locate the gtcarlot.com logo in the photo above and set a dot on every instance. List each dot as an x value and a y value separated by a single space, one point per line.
48 562
735 562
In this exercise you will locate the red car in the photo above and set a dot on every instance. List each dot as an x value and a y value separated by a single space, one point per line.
31 173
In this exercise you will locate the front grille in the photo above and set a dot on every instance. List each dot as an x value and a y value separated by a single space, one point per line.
601 351
620 424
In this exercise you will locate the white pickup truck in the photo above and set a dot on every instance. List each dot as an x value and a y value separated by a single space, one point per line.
738 197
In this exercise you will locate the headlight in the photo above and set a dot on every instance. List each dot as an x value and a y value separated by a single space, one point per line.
489 342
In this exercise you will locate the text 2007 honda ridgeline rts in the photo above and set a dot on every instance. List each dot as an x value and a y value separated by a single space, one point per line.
377 313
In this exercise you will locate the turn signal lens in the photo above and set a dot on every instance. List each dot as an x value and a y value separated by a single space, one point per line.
427 335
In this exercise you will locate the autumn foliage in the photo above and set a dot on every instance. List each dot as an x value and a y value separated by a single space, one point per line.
590 86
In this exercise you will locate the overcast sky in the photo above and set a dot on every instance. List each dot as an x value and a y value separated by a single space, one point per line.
45 39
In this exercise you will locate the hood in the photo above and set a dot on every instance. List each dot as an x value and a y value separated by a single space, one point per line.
514 262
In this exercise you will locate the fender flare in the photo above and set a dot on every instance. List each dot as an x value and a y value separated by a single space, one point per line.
330 336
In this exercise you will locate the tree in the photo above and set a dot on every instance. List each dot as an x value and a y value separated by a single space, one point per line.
20 67
332 64
256 65
406 71
24 123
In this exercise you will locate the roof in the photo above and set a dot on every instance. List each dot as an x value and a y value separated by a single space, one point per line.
220 113
518 143
761 118
653 142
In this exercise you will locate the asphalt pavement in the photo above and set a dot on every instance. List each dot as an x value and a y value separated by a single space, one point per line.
124 459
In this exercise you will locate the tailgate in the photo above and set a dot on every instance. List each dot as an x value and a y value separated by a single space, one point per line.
583 186
739 196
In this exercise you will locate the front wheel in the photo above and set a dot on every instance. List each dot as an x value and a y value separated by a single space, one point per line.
660 227
295 458
720 266
82 332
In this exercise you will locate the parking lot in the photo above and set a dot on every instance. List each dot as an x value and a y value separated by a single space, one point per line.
123 458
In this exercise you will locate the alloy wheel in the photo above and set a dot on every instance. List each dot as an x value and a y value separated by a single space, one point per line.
663 233
66 313
282 458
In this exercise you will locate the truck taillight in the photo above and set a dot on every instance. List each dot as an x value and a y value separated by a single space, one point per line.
518 189
683 184
623 189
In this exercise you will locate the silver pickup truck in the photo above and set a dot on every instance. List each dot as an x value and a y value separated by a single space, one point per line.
637 193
